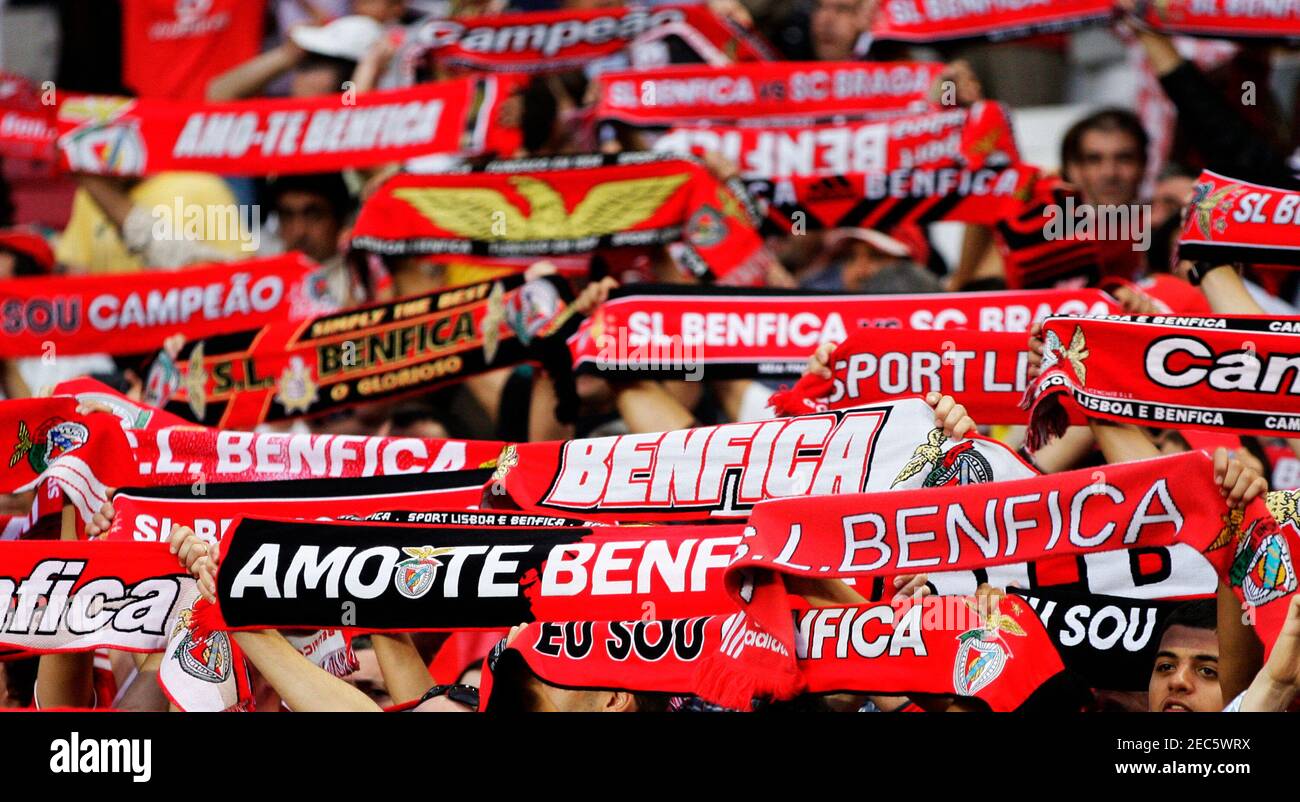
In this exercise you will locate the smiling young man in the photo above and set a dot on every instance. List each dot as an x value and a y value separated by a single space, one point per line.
1185 676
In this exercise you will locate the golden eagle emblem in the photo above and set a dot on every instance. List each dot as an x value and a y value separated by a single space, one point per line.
1204 203
1053 350
480 213
490 327
925 454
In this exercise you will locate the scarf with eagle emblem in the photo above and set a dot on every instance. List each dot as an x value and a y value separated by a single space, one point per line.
566 205
1230 221
1234 373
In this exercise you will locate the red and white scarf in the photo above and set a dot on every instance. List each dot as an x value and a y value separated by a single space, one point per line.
133 313
1232 221
986 371
717 473
371 353
671 331
770 90
1156 502
127 136
554 41
920 22
1237 373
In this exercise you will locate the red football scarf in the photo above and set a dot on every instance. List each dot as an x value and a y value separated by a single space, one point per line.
370 353
662 331
884 200
133 313
936 137
117 595
565 205
1224 19
124 136
553 41
1232 221
1156 502
936 646
772 90
985 371
926 21
148 514
204 671
1238 373
406 577
720 472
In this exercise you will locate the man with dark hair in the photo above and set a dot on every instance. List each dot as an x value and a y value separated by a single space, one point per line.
1105 156
1185 677
312 210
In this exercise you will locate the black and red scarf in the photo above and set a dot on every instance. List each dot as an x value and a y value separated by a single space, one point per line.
565 205
884 200
1236 373
554 41
932 646
370 353
133 313
922 22
1230 221
129 136
770 90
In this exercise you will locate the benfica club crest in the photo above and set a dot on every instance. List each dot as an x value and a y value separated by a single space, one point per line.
983 653
52 439
205 657
535 311
960 465
297 390
1054 351
102 141
1209 207
706 228
1262 567
414 576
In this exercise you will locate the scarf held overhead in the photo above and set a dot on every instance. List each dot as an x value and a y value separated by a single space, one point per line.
1235 373
369 353
127 136
1231 221
770 90
553 41
669 332
134 313
934 646
565 205
405 577
1224 19
923 22
976 135
1155 502
721 472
